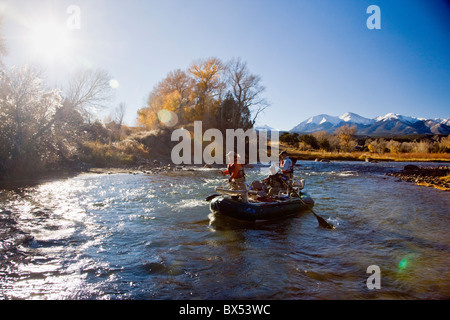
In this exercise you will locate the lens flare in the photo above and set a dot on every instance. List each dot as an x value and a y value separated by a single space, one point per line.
168 118
403 264
114 84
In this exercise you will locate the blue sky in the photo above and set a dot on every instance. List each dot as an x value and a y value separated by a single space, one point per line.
314 56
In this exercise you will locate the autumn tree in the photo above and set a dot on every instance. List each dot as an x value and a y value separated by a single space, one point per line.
346 135
222 95
172 94
444 144
377 145
208 88
179 85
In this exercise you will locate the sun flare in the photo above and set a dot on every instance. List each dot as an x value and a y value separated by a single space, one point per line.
50 41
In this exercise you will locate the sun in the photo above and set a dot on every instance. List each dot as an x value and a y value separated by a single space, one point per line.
50 41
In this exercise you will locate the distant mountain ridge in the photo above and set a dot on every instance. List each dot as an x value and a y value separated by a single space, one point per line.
390 124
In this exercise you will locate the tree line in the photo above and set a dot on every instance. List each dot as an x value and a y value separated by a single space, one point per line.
223 95
344 139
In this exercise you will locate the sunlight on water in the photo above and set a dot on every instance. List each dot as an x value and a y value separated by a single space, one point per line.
153 237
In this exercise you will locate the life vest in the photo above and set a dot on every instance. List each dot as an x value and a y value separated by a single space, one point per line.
236 171
291 170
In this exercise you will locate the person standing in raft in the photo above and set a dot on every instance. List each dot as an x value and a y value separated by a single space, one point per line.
236 172
287 167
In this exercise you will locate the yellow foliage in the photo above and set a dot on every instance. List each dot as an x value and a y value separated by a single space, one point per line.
147 118
197 95
207 73
171 101
445 142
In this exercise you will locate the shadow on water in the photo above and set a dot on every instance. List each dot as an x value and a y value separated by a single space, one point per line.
10 184
223 223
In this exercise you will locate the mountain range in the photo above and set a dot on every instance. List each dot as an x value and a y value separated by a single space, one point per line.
388 125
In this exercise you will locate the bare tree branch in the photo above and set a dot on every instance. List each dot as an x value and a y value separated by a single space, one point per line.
89 91
246 88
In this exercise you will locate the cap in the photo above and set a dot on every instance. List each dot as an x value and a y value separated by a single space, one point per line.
233 155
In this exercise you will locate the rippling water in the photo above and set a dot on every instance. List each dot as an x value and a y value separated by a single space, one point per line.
153 237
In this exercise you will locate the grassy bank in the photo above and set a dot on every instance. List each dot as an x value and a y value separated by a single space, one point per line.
438 178
124 153
366 156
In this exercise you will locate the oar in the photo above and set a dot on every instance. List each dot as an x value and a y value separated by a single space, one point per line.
322 222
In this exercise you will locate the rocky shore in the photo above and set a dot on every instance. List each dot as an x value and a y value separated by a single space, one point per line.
436 177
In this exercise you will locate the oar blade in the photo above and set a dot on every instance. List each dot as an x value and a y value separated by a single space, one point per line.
323 223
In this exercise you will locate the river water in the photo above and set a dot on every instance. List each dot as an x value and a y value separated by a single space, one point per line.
145 237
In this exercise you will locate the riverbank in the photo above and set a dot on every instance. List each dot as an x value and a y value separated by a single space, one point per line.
366 156
438 178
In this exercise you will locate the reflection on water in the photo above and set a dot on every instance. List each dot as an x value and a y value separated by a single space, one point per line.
153 237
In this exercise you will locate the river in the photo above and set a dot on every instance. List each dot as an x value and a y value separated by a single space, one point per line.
152 237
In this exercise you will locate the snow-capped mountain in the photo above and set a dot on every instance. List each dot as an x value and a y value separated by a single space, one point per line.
323 118
350 117
322 122
390 124
445 121
394 116
264 128
325 122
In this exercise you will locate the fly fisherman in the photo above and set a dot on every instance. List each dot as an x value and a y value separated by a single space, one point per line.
236 172
287 167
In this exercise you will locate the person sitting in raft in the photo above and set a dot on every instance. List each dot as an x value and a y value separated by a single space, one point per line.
236 172
276 182
287 167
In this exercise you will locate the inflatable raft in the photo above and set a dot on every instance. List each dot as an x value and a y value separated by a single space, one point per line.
229 204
